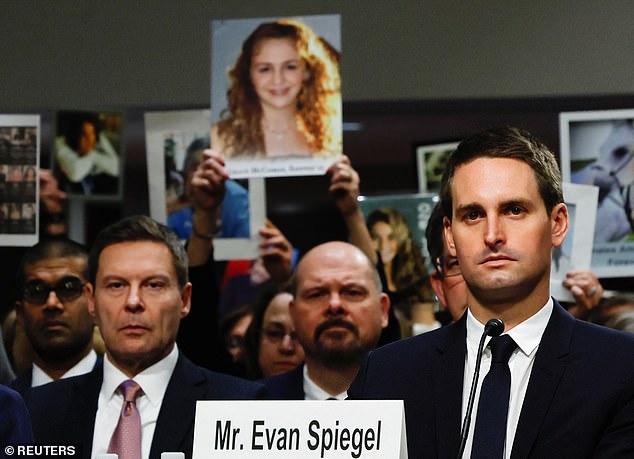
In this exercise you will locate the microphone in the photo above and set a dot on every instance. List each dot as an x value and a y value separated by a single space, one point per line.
493 327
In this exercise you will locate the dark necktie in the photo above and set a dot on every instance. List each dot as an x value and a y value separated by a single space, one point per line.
126 439
493 407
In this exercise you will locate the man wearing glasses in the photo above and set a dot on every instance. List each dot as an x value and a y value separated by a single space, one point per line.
446 279
52 310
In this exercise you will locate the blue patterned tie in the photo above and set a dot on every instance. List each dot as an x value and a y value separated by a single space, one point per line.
493 407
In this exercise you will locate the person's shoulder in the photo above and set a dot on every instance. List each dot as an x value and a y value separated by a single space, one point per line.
22 383
286 386
602 338
15 423
56 392
222 386
9 397
415 345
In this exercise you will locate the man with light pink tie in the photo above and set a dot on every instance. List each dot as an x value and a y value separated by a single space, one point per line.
141 401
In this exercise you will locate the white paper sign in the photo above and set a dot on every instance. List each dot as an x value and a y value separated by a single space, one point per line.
300 429
575 254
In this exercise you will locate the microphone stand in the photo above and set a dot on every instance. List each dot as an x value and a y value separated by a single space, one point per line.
493 327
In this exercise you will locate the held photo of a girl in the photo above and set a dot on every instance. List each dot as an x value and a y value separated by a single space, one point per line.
276 107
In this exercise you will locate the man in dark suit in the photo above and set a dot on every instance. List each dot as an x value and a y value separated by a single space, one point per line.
52 312
141 292
571 390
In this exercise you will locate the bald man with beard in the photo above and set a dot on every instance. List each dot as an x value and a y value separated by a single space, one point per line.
339 311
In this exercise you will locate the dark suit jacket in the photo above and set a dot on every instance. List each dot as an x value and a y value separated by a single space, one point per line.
579 402
63 412
287 386
22 383
15 425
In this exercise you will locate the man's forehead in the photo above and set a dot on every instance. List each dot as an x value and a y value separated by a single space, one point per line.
50 267
506 179
142 258
324 278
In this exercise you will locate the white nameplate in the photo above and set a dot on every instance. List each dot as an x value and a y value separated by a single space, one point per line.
306 429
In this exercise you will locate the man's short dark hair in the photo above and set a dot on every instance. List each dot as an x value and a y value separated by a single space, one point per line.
140 228
434 236
46 250
506 142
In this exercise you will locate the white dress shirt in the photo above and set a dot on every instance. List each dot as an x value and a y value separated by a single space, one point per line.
527 336
153 382
313 392
85 365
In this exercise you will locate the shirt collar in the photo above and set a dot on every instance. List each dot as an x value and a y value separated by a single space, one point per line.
313 392
85 365
153 380
526 335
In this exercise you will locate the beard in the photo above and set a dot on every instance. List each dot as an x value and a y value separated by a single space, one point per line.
337 349
62 350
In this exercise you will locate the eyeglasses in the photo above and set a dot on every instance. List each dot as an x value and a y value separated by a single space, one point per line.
276 336
448 267
67 289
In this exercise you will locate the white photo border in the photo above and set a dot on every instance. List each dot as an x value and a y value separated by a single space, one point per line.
613 258
422 158
197 121
577 247
25 240
227 37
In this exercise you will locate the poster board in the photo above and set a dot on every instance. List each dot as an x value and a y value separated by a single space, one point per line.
276 102
597 148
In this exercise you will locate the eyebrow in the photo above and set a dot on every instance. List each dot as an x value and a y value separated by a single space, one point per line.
503 205
288 61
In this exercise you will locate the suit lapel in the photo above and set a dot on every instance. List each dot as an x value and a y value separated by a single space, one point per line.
175 424
79 423
448 385
547 371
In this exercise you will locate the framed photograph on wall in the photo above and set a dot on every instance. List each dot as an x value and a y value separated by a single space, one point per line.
597 148
88 154
276 95
430 163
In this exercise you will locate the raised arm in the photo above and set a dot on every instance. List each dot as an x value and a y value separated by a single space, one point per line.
344 188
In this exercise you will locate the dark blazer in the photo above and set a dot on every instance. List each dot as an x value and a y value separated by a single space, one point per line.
63 412
579 402
15 425
22 383
287 386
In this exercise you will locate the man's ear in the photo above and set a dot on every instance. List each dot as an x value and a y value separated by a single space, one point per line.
186 298
90 297
385 309
559 224
436 284
451 246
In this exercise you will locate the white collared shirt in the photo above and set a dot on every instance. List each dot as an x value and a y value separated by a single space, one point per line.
153 382
527 335
85 365
313 392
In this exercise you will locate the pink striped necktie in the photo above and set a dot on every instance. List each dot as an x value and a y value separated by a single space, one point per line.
126 439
